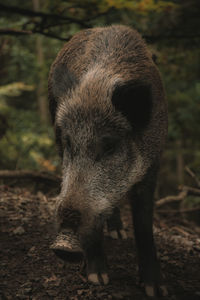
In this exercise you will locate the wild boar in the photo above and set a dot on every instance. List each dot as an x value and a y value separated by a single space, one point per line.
109 110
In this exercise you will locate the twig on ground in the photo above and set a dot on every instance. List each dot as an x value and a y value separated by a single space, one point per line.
172 198
184 191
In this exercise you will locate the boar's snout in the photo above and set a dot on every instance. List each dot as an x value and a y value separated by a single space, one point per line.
67 245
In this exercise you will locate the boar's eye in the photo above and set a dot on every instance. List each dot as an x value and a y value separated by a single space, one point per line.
107 147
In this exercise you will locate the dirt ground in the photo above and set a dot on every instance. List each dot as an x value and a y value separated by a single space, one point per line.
30 270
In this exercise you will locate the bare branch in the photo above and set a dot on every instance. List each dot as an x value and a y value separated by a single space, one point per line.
52 35
29 174
17 32
189 171
9 31
173 198
31 13
184 191
47 20
191 191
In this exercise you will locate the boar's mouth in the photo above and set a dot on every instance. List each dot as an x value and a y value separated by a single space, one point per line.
67 247
69 218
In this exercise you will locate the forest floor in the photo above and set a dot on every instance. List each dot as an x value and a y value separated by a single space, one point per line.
30 270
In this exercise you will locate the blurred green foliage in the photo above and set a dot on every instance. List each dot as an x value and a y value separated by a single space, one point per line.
29 144
26 144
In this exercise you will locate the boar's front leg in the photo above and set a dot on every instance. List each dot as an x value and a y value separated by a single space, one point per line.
96 266
142 211
115 225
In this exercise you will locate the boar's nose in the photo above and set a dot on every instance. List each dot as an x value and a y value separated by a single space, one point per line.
67 246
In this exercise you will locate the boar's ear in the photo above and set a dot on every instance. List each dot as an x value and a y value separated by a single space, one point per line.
135 103
62 80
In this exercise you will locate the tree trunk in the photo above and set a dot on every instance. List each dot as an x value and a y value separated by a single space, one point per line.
41 90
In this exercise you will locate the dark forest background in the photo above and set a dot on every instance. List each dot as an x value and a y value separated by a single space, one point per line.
32 33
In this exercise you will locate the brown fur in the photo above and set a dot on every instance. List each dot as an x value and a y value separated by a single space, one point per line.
105 91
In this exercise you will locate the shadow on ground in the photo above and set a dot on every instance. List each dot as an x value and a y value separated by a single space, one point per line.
30 270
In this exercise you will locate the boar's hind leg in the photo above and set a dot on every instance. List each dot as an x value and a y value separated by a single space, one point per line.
115 226
95 259
142 210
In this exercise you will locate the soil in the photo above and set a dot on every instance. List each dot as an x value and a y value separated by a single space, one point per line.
30 270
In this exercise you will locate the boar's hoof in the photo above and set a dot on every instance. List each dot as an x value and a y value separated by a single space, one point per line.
123 234
163 291
113 234
98 279
153 291
67 247
118 234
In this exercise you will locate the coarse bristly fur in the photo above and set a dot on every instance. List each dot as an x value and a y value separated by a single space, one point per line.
109 110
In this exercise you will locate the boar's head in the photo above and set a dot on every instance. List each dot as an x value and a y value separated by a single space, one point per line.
99 122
